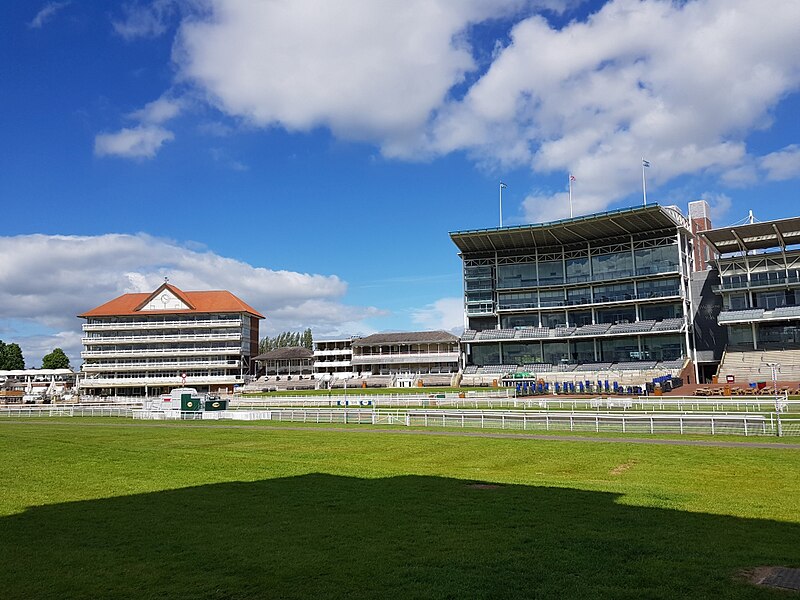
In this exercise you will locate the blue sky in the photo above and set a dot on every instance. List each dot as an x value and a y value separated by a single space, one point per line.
312 156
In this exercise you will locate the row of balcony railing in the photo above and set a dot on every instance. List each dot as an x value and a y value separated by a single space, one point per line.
758 280
125 325
144 339
140 366
94 382
145 352
485 307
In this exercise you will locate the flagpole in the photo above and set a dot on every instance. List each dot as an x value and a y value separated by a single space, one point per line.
502 185
570 195
644 184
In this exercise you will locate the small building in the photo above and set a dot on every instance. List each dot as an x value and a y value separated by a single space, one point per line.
333 357
36 384
416 352
286 361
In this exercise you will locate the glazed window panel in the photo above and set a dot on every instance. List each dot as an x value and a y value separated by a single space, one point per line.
555 352
610 266
521 354
578 270
663 259
515 276
486 354
551 272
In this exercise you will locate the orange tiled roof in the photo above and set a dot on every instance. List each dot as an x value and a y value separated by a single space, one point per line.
215 301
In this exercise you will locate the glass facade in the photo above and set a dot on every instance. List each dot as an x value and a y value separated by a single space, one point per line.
486 354
512 321
617 314
609 281
663 259
663 347
521 354
614 265
659 312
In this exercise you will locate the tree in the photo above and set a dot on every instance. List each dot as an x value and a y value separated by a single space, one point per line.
287 339
55 360
11 357
307 339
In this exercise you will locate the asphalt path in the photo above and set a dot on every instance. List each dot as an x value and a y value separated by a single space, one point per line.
356 429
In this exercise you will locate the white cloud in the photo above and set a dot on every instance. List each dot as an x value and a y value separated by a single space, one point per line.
718 204
678 83
142 141
365 69
782 165
145 20
45 293
47 12
446 314
159 111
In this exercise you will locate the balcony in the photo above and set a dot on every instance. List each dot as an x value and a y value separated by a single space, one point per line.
599 300
147 352
336 352
94 382
760 283
156 366
404 357
327 364
159 339
134 325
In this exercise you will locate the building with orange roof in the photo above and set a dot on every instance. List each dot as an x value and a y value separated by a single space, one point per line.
146 344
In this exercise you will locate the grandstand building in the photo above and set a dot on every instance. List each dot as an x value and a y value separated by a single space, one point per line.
147 344
608 291
333 358
759 286
418 353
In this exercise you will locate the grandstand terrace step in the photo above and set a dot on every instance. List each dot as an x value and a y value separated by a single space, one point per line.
593 366
525 333
636 327
596 329
668 325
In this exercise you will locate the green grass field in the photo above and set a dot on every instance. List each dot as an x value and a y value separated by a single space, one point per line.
103 510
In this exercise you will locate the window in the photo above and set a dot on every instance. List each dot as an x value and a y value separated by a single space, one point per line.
579 296
577 270
515 276
663 259
613 265
659 288
521 354
486 354
551 298
550 272
555 352
553 320
613 293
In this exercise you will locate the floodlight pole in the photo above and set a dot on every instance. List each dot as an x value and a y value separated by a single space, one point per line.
774 367
644 183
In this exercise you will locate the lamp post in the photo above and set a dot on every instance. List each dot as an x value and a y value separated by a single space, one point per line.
774 367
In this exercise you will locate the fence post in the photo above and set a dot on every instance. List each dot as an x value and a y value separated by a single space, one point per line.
651 426
712 424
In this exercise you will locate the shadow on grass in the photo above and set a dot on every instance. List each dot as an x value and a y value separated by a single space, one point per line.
325 536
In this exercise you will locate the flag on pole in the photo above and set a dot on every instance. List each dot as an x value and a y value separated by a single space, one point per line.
571 177
503 185
645 163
